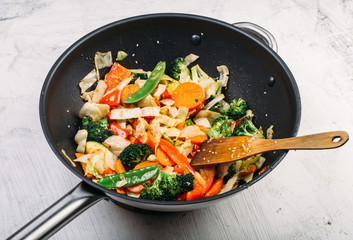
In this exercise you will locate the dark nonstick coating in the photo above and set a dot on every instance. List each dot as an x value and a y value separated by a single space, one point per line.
163 37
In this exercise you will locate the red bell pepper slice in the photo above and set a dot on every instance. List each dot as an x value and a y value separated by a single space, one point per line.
119 131
116 74
112 98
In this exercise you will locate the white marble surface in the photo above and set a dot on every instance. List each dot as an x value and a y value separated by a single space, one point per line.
308 196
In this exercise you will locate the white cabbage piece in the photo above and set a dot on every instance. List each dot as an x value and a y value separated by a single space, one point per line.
84 158
140 83
127 113
232 182
124 83
161 88
210 115
96 164
260 162
172 132
102 60
170 122
224 72
186 148
98 93
173 111
191 131
141 130
167 101
80 139
214 101
150 111
109 159
269 132
210 86
190 59
148 101
88 81
94 110
116 144
203 122
183 113
87 96
222 169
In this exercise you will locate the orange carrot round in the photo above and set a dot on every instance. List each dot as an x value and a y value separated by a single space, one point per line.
127 92
188 94
163 158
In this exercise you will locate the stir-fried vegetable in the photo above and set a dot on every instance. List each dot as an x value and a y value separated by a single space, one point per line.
141 129
149 86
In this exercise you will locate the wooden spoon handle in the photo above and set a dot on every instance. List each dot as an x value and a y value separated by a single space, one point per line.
325 140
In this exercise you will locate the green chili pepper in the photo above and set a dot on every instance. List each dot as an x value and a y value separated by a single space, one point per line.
150 84
130 178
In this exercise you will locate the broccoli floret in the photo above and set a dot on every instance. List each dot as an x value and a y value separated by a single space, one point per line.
189 122
97 131
134 154
179 69
237 109
197 73
220 128
168 188
247 128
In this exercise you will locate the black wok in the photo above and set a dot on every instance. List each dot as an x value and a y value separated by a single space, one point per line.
257 74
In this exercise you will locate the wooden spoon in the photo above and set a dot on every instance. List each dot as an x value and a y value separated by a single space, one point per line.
229 149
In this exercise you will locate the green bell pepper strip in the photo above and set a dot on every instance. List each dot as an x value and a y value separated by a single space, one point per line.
130 178
150 84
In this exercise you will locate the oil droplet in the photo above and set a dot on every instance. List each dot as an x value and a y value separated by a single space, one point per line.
271 81
195 39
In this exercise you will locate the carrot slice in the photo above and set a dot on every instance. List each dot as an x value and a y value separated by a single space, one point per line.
198 139
151 141
138 187
78 155
146 164
188 94
200 188
108 172
119 167
176 156
116 74
127 92
121 190
163 158
180 125
215 188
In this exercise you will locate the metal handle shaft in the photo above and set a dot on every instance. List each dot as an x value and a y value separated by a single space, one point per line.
60 213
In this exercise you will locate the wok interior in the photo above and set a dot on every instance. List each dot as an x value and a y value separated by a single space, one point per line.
162 38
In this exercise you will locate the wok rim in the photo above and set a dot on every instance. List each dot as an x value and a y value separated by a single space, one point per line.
97 31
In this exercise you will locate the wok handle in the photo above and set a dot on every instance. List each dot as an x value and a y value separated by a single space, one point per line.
259 33
60 213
